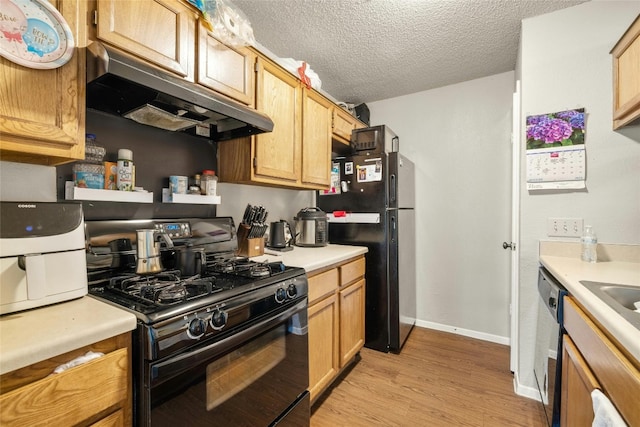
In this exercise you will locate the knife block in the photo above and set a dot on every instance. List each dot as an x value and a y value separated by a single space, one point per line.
249 247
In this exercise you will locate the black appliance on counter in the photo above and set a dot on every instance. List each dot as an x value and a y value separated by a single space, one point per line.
372 205
227 346
547 368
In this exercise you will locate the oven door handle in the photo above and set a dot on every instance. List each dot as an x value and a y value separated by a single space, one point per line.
183 362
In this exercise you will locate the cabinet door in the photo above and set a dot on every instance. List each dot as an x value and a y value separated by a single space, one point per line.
316 139
351 321
277 153
323 344
626 84
42 112
159 31
343 124
225 69
577 384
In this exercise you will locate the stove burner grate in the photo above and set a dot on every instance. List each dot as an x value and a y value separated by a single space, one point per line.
241 266
164 288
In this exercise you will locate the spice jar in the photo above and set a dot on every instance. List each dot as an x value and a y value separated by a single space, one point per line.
209 183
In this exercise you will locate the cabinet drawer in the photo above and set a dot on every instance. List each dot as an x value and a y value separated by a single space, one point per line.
114 420
351 271
620 380
70 397
322 284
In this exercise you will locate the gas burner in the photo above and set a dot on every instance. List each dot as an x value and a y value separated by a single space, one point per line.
259 271
171 294
230 265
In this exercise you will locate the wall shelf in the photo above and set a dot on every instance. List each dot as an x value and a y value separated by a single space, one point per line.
194 199
78 193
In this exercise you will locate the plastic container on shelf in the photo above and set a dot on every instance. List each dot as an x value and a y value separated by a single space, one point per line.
589 242
125 178
92 151
209 183
88 175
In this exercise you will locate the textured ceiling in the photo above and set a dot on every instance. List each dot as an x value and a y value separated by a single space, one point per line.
368 50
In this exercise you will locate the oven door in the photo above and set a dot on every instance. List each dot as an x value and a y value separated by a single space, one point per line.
257 376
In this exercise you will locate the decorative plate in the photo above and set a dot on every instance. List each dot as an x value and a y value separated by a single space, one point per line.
34 34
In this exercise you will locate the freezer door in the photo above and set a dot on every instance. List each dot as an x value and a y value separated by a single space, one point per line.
362 187
401 182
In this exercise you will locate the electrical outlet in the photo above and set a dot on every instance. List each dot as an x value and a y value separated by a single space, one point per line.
564 227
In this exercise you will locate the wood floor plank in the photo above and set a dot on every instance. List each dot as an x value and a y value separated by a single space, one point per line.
439 379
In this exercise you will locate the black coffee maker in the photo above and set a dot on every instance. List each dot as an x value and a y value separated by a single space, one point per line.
280 237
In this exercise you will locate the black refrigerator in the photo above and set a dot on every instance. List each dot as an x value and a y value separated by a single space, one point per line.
371 203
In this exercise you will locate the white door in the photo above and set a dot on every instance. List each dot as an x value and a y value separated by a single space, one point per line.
515 226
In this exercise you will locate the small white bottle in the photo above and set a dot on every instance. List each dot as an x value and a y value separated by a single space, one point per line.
125 169
589 242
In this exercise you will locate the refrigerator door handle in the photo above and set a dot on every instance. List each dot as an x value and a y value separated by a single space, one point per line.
392 188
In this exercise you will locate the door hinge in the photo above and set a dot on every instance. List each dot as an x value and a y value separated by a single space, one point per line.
95 17
255 162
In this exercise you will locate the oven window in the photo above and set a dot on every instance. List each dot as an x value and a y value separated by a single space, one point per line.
250 385
230 374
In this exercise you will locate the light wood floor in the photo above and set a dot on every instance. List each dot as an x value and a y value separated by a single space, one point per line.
439 379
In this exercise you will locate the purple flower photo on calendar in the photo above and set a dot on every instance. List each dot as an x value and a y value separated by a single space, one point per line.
560 129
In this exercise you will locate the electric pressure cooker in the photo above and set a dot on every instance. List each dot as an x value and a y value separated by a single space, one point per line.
312 228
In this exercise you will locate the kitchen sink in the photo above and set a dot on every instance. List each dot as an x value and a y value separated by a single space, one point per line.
621 298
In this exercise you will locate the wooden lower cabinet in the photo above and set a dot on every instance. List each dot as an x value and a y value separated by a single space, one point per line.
577 384
592 360
323 344
336 321
94 393
351 321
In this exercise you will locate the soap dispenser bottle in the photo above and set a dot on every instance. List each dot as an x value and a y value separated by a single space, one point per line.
589 242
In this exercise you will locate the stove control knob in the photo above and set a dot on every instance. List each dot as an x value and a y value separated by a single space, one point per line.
281 295
292 291
196 328
218 319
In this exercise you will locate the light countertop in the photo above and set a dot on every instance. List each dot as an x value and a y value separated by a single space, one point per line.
313 258
30 336
618 264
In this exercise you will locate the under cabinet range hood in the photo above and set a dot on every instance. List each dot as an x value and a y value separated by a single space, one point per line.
121 85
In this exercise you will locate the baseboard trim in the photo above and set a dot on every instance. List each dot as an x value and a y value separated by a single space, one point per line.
524 391
466 332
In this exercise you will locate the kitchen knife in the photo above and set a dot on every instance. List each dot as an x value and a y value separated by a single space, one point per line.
247 211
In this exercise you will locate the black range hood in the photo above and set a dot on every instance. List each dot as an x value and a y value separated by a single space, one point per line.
121 85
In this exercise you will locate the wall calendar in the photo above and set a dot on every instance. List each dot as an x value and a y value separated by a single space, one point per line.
556 155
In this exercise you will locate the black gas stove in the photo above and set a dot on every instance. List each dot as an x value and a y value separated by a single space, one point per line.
180 311
227 345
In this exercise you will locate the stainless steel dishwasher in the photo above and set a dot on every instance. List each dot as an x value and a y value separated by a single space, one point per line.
547 367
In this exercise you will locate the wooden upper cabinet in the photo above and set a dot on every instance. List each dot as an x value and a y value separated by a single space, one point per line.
626 77
277 153
42 112
316 137
343 124
225 69
159 31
